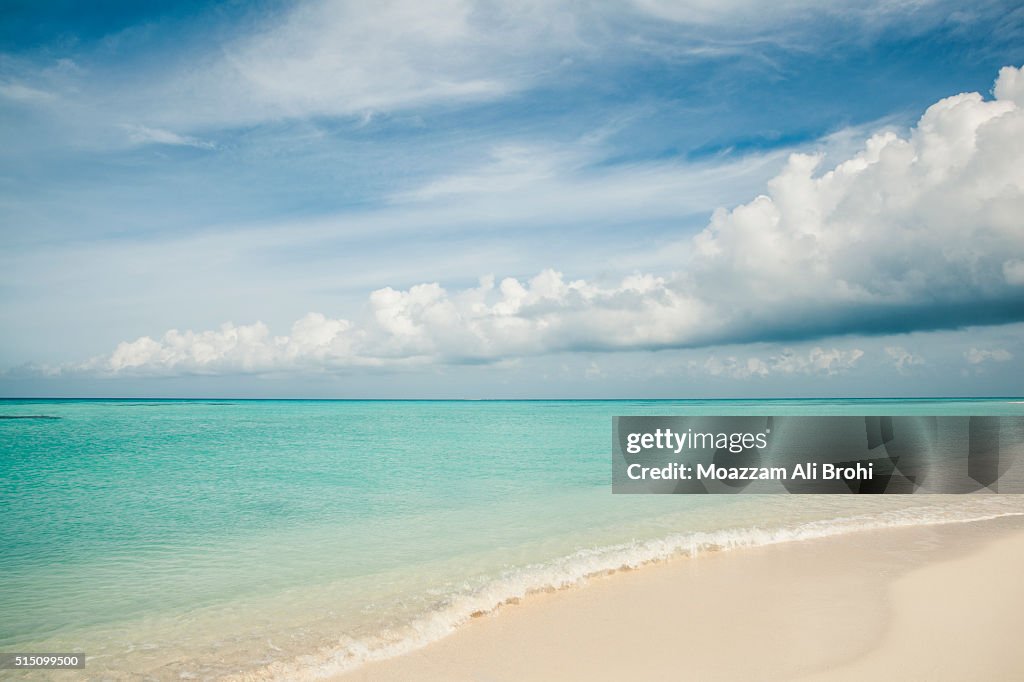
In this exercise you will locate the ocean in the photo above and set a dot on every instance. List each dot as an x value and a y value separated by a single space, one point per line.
201 539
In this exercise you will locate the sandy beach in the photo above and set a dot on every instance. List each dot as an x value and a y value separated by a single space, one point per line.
926 603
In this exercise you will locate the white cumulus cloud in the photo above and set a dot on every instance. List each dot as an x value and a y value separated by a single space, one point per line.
914 231
976 356
903 358
815 361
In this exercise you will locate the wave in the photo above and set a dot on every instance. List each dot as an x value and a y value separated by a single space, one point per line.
578 568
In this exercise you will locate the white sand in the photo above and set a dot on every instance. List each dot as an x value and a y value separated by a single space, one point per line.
931 603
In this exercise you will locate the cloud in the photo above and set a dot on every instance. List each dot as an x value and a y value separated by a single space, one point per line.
913 232
976 356
902 358
303 61
1009 85
742 27
335 58
815 361
908 231
143 135
521 185
510 169
314 340
1013 271
19 92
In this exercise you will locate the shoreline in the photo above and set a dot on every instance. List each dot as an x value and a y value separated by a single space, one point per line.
811 609
278 643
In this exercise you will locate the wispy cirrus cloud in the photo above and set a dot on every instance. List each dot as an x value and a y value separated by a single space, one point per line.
333 58
143 135
308 60
19 92
330 58
745 12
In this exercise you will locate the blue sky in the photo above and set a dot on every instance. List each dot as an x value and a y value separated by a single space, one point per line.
511 199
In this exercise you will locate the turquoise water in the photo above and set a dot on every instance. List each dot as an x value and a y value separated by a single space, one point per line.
178 538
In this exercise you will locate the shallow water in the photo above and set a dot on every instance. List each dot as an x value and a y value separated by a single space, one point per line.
194 539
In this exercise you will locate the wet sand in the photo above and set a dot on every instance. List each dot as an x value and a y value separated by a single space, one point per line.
926 603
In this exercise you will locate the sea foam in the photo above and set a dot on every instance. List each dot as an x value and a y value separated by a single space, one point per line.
579 567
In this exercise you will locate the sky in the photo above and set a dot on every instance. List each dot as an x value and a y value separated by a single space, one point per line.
461 199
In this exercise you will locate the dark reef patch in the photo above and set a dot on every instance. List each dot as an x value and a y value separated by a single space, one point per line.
27 416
